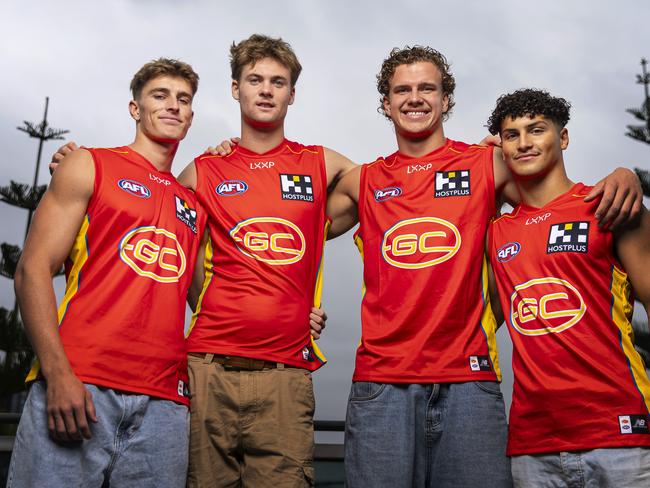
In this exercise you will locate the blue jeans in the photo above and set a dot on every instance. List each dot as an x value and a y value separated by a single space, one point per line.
138 441
623 467
433 435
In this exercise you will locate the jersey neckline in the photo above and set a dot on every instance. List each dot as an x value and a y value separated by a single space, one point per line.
576 190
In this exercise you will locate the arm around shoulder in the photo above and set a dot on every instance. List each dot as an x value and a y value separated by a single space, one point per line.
342 203
188 177
336 166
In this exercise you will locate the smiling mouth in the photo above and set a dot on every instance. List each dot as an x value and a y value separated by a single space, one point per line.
415 113
526 156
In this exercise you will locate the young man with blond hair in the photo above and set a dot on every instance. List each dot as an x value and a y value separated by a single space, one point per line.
250 349
581 409
425 408
110 385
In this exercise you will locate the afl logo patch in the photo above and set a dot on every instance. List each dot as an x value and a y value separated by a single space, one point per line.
231 188
134 188
387 193
508 251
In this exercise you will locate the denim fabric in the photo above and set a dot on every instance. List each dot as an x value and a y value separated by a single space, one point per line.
138 441
624 467
435 435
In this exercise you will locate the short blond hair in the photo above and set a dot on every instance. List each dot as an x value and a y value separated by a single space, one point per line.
163 67
259 46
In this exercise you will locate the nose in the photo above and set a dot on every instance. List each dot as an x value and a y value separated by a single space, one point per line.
414 97
524 141
173 104
265 88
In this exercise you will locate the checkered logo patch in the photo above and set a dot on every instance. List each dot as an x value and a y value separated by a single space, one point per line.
568 237
185 214
297 187
452 183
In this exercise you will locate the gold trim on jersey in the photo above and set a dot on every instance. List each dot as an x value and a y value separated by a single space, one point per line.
302 150
621 313
488 321
318 291
78 255
207 266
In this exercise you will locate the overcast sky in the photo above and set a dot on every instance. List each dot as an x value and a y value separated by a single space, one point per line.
82 55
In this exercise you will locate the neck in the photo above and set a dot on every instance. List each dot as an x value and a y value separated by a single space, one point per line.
160 154
260 139
420 146
537 192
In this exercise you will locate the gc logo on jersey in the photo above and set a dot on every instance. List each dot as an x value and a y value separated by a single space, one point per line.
452 183
296 187
230 188
134 188
545 305
508 251
272 240
420 243
185 214
568 237
387 193
153 253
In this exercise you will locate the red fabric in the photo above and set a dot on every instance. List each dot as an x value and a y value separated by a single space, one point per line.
258 299
573 365
422 308
123 328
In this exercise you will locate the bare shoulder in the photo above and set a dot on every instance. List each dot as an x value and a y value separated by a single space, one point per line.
336 164
75 176
188 176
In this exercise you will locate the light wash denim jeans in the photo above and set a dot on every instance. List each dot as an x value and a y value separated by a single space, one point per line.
437 435
138 441
623 467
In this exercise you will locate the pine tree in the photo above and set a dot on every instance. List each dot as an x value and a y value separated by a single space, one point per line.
17 353
641 133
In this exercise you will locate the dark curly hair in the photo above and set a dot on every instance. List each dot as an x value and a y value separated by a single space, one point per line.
529 102
410 55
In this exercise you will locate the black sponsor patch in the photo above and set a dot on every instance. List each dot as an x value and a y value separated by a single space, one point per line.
452 183
185 214
480 363
568 237
296 187
633 424
307 353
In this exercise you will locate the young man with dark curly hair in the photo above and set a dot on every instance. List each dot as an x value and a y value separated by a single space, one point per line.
580 409
425 408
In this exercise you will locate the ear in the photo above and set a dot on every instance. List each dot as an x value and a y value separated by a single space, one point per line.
134 110
234 89
386 104
293 95
445 103
564 138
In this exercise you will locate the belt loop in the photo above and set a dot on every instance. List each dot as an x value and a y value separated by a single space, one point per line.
280 365
208 358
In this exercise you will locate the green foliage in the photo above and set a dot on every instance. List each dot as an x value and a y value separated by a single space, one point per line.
22 195
19 355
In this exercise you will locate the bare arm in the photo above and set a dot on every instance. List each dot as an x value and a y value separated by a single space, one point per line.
633 249
336 166
342 203
54 228
198 277
622 198
188 176
493 291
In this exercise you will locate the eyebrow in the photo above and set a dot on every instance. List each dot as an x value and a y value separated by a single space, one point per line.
166 91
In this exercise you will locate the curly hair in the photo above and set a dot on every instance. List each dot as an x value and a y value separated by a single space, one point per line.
529 102
409 55
163 67
258 47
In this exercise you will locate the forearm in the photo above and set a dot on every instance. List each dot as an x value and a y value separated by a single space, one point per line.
35 294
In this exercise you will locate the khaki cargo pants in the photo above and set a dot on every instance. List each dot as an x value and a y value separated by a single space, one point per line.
250 428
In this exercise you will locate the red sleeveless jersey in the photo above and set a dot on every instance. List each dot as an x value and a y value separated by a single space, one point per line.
121 319
579 383
425 313
266 223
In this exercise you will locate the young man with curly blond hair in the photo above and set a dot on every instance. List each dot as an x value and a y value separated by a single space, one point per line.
110 384
425 408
